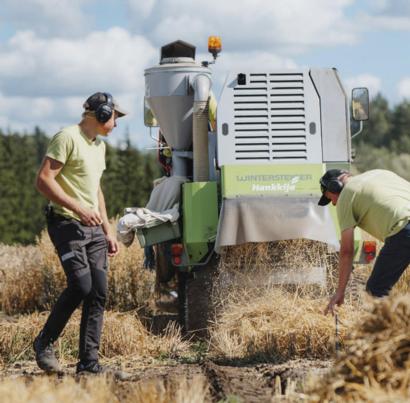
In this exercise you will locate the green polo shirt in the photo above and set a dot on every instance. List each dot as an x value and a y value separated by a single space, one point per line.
378 201
84 163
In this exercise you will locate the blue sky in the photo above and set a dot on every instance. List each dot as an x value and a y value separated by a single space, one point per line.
54 53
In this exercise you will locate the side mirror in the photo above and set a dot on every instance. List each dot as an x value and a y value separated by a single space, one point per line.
149 118
360 104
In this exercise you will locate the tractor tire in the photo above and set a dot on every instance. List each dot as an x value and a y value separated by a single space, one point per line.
196 308
165 271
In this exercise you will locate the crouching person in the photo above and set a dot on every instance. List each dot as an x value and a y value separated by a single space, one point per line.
378 201
69 178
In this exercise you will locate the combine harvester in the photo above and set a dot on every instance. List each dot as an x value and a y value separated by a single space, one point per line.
252 178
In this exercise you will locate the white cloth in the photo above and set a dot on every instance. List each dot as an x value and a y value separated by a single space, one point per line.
166 193
141 217
163 205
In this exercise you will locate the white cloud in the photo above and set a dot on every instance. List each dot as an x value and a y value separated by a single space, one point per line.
404 88
251 24
61 17
44 81
22 114
392 7
141 9
30 65
385 22
373 83
388 15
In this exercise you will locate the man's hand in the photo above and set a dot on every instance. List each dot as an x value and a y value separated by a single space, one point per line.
337 299
89 217
113 246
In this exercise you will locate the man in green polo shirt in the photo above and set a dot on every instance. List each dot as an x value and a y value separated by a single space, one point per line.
378 201
78 226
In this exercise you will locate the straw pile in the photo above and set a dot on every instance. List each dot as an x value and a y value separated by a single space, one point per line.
276 325
123 335
376 364
32 278
257 319
105 390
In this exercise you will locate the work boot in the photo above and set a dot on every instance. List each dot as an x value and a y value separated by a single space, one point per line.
95 368
45 354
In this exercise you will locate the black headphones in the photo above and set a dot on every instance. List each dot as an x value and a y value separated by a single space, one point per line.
104 111
333 185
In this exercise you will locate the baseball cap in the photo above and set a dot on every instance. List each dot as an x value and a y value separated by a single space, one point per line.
330 175
94 101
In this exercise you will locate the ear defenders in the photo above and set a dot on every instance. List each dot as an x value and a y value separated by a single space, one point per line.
104 111
334 186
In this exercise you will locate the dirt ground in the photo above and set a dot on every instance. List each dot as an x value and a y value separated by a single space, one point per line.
229 383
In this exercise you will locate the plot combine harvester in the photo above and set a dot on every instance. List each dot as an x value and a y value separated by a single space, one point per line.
252 178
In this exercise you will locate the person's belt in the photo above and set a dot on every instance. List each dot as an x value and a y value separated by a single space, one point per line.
54 217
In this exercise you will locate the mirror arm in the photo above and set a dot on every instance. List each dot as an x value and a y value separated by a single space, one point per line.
359 131
150 134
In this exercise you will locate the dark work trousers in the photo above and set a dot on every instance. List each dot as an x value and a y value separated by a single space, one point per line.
393 259
83 254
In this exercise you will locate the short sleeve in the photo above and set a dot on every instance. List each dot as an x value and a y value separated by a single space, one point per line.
345 212
104 154
60 147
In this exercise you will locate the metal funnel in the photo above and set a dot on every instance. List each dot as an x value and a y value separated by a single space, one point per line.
169 95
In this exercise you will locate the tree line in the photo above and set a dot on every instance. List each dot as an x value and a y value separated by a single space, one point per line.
385 140
384 143
126 182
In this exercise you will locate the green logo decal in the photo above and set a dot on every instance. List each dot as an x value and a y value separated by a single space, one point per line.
271 179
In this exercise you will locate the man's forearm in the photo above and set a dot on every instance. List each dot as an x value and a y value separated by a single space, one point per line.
54 192
103 212
345 269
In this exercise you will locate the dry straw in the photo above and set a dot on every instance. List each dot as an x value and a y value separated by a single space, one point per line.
123 336
256 319
105 390
376 364
34 278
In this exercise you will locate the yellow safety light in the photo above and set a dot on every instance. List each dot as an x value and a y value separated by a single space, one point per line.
214 45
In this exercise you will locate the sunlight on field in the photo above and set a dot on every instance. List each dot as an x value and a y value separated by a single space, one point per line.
375 364
32 278
104 390
256 321
123 336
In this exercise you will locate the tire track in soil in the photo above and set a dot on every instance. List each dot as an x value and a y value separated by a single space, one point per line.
258 383
253 383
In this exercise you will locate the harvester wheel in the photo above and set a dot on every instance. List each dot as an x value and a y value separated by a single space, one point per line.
165 271
196 309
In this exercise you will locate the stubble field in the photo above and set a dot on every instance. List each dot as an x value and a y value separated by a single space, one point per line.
267 343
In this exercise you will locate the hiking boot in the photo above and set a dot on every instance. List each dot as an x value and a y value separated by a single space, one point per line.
95 368
45 354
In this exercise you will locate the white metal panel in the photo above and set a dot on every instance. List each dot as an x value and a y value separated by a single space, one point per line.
335 116
269 119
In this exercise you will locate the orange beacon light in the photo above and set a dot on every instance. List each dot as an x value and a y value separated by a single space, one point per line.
214 45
